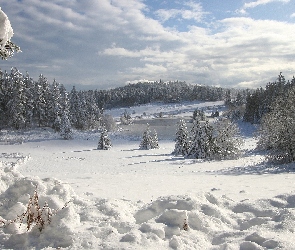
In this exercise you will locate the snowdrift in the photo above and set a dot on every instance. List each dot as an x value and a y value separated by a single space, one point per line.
204 221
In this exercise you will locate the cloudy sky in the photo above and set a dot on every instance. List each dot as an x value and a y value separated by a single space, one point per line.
106 43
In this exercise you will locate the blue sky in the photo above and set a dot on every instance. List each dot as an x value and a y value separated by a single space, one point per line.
99 44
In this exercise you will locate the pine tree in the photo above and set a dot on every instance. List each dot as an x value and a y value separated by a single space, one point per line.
65 127
198 142
277 129
126 118
42 98
148 140
226 140
199 114
55 108
16 105
182 140
65 123
155 140
104 142
29 95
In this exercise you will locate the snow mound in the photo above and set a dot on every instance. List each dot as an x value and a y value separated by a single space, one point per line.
204 221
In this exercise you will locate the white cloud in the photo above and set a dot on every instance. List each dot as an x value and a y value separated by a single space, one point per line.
293 15
257 3
110 42
193 12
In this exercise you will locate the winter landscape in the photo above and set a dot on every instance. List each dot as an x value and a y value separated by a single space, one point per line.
150 164
127 198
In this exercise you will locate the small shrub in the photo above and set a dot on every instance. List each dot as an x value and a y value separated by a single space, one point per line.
185 226
34 214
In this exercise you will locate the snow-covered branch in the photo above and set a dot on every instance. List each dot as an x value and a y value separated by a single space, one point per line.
7 47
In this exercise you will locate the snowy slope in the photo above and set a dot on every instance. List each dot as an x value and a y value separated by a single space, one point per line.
126 198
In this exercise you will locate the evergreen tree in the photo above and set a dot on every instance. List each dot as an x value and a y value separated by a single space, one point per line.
199 114
42 98
29 96
16 105
104 142
65 127
65 123
148 140
182 140
201 141
226 140
277 129
155 140
126 118
55 108
74 107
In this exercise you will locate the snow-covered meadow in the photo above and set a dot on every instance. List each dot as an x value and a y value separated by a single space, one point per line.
126 198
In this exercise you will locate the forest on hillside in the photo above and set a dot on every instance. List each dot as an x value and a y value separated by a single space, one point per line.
25 102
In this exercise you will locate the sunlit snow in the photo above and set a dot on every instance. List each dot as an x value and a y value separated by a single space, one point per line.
127 198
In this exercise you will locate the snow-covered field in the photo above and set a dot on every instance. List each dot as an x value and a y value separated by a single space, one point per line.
126 198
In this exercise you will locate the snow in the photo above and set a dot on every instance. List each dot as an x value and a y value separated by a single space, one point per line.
127 198
6 31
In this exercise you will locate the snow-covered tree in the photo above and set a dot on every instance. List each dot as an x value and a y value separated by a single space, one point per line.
66 131
149 140
65 124
42 98
214 142
126 118
200 140
182 139
7 47
226 140
199 114
104 142
277 129
55 108
155 140
29 94
16 105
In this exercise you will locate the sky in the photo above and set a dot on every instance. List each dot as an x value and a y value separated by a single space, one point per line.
102 44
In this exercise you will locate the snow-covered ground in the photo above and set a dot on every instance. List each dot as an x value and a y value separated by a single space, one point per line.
126 198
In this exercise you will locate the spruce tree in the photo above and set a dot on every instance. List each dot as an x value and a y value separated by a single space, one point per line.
182 140
201 141
226 140
155 140
277 129
65 122
148 140
104 142
55 108
65 127
198 142
16 105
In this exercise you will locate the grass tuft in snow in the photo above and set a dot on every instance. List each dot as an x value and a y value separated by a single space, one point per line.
35 215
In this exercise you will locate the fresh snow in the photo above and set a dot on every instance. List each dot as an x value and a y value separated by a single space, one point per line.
127 198
6 31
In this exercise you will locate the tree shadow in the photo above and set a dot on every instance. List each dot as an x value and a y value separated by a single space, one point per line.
262 168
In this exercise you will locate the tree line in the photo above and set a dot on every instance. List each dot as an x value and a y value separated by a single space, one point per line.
25 103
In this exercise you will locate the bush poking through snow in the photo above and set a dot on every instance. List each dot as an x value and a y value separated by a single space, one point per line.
185 226
34 214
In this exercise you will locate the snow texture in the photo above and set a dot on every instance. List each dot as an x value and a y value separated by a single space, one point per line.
6 31
126 198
